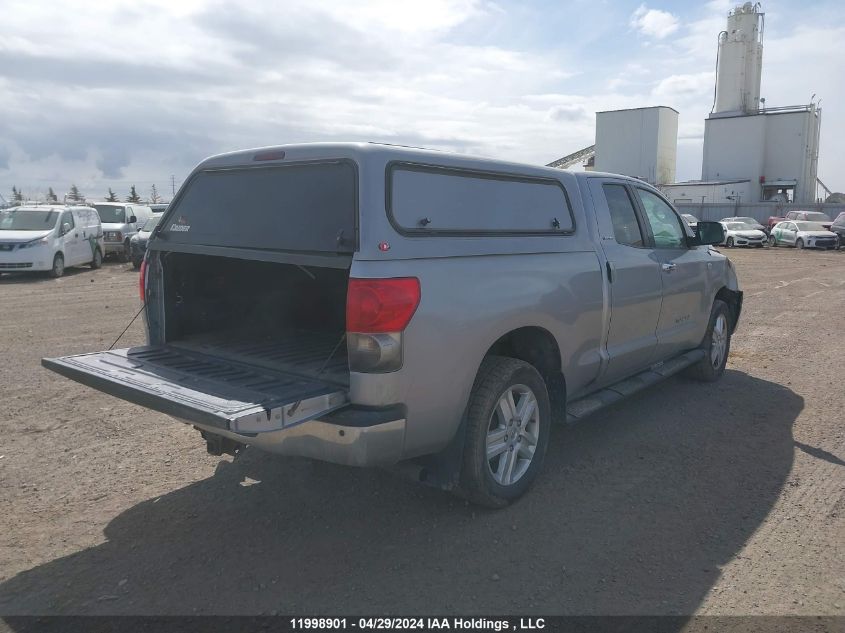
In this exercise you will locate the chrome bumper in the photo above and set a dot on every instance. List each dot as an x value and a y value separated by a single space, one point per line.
376 445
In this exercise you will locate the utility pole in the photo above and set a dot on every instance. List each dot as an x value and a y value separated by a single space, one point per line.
173 185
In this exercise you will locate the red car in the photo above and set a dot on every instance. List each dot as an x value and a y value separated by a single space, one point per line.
802 216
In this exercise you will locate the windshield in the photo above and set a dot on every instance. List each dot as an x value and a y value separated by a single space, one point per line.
689 218
817 217
27 220
739 226
108 213
747 220
810 226
150 224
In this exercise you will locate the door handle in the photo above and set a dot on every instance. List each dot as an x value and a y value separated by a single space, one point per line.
667 268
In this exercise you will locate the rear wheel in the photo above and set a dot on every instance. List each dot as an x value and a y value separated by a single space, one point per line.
730 242
716 345
58 268
799 243
508 426
97 262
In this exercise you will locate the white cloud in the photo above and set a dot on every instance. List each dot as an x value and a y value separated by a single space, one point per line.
136 90
654 22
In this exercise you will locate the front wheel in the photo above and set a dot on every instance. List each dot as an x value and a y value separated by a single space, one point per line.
58 268
716 345
507 431
799 243
772 241
97 262
730 242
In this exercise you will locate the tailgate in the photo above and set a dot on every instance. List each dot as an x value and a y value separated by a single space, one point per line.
203 389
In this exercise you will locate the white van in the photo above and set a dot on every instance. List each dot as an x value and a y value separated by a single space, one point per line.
49 238
120 222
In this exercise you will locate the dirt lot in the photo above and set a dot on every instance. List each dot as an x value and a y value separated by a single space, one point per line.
690 498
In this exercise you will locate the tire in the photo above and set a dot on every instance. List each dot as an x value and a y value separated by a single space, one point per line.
729 242
712 366
799 243
772 241
136 263
126 254
498 480
97 262
58 268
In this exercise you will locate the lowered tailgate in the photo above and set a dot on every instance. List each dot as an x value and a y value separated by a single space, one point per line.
202 388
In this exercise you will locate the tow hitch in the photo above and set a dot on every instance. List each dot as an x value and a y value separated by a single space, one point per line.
218 445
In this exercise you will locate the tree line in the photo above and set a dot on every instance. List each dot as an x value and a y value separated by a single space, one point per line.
75 195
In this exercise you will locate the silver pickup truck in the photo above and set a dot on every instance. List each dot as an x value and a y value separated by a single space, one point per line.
368 305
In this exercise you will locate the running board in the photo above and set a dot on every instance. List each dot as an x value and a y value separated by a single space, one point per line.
584 407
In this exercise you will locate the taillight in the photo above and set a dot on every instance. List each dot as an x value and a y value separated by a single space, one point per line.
377 311
142 279
381 305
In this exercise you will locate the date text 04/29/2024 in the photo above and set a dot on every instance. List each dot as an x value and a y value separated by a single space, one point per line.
410 624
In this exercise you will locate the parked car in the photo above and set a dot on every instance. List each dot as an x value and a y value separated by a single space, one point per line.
120 222
690 219
49 238
803 216
368 304
754 224
803 235
138 242
838 227
741 234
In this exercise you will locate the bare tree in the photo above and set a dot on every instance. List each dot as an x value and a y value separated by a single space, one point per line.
154 197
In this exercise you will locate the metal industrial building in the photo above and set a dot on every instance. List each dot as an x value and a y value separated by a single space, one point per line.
752 153
653 131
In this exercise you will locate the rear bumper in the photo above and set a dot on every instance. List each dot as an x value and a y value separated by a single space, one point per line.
350 438
113 247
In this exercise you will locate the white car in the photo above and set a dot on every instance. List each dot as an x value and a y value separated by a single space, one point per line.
49 238
802 234
690 219
754 224
740 234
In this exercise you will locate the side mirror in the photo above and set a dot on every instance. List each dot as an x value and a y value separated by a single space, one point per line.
65 228
709 233
132 219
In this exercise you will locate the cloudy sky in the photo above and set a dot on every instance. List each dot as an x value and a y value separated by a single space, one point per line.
106 94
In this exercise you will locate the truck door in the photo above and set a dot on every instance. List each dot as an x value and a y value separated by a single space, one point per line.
633 272
685 272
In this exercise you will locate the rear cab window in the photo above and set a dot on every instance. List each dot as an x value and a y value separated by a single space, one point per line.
626 225
435 200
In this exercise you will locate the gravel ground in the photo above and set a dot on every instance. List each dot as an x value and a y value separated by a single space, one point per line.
723 498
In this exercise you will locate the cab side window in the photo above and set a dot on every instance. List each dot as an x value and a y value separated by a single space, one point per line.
665 223
626 226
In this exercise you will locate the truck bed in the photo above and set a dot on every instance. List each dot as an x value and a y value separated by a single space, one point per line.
301 352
